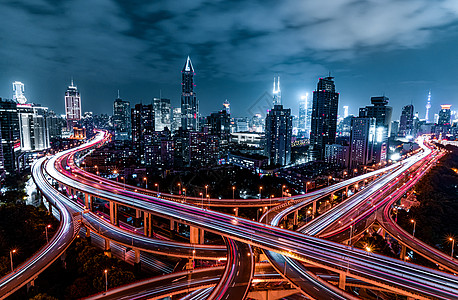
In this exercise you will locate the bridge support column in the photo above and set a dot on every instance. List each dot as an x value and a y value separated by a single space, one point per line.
30 284
193 235
147 224
201 236
172 225
314 209
107 250
50 207
86 200
114 213
138 216
88 234
346 190
403 252
236 211
137 264
296 217
342 280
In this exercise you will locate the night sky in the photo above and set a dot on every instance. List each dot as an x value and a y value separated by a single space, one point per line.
397 48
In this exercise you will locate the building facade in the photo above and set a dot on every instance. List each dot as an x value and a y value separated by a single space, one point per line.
278 135
122 119
72 106
189 102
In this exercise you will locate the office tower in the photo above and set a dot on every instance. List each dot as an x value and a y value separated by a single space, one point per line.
33 127
361 141
337 155
324 117
394 128
18 92
159 149
176 119
142 119
302 113
219 124
72 106
121 119
428 106
276 92
278 135
227 107
162 113
382 114
9 127
189 103
345 111
257 123
55 124
406 121
444 115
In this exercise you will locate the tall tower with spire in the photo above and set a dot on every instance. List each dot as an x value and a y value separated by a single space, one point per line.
189 103
277 92
72 106
428 106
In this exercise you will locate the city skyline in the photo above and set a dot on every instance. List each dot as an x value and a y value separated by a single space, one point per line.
401 62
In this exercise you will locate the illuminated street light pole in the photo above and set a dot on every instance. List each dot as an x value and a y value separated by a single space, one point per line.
146 182
233 192
11 258
282 193
106 280
46 230
453 246
260 191
306 186
414 224
330 177
202 195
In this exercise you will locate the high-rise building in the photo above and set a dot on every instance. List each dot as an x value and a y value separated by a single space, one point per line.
382 114
428 106
361 141
176 119
121 119
276 92
278 135
406 121
227 106
9 127
324 116
444 115
345 111
72 106
18 92
257 123
337 155
189 102
162 113
55 124
33 127
142 127
219 124
302 113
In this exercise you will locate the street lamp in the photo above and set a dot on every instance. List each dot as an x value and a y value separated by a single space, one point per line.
233 192
306 186
124 180
355 171
257 214
46 230
414 224
202 195
157 186
115 172
146 182
260 191
206 190
179 188
184 191
453 245
208 198
11 258
330 177
282 188
106 280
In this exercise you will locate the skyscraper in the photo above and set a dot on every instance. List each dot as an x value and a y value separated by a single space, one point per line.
305 115
9 127
324 117
279 125
176 119
382 114
406 121
277 92
189 103
227 106
428 106
345 114
444 115
142 125
361 141
72 106
162 113
33 127
18 92
121 119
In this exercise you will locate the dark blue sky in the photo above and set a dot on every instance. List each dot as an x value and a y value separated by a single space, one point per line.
397 48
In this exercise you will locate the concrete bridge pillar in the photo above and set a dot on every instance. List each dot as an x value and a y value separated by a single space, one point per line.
201 236
314 209
296 217
114 213
342 280
194 235
86 201
147 224
107 250
172 224
403 252
137 264
88 234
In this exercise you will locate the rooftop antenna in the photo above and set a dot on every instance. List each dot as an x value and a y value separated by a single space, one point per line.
72 81
160 93
118 94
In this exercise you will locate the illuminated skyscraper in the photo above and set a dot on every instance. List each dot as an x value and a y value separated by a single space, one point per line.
162 114
428 106
324 116
406 121
18 92
305 115
279 125
189 103
277 92
72 106
121 119
10 134
227 107
444 115
345 114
